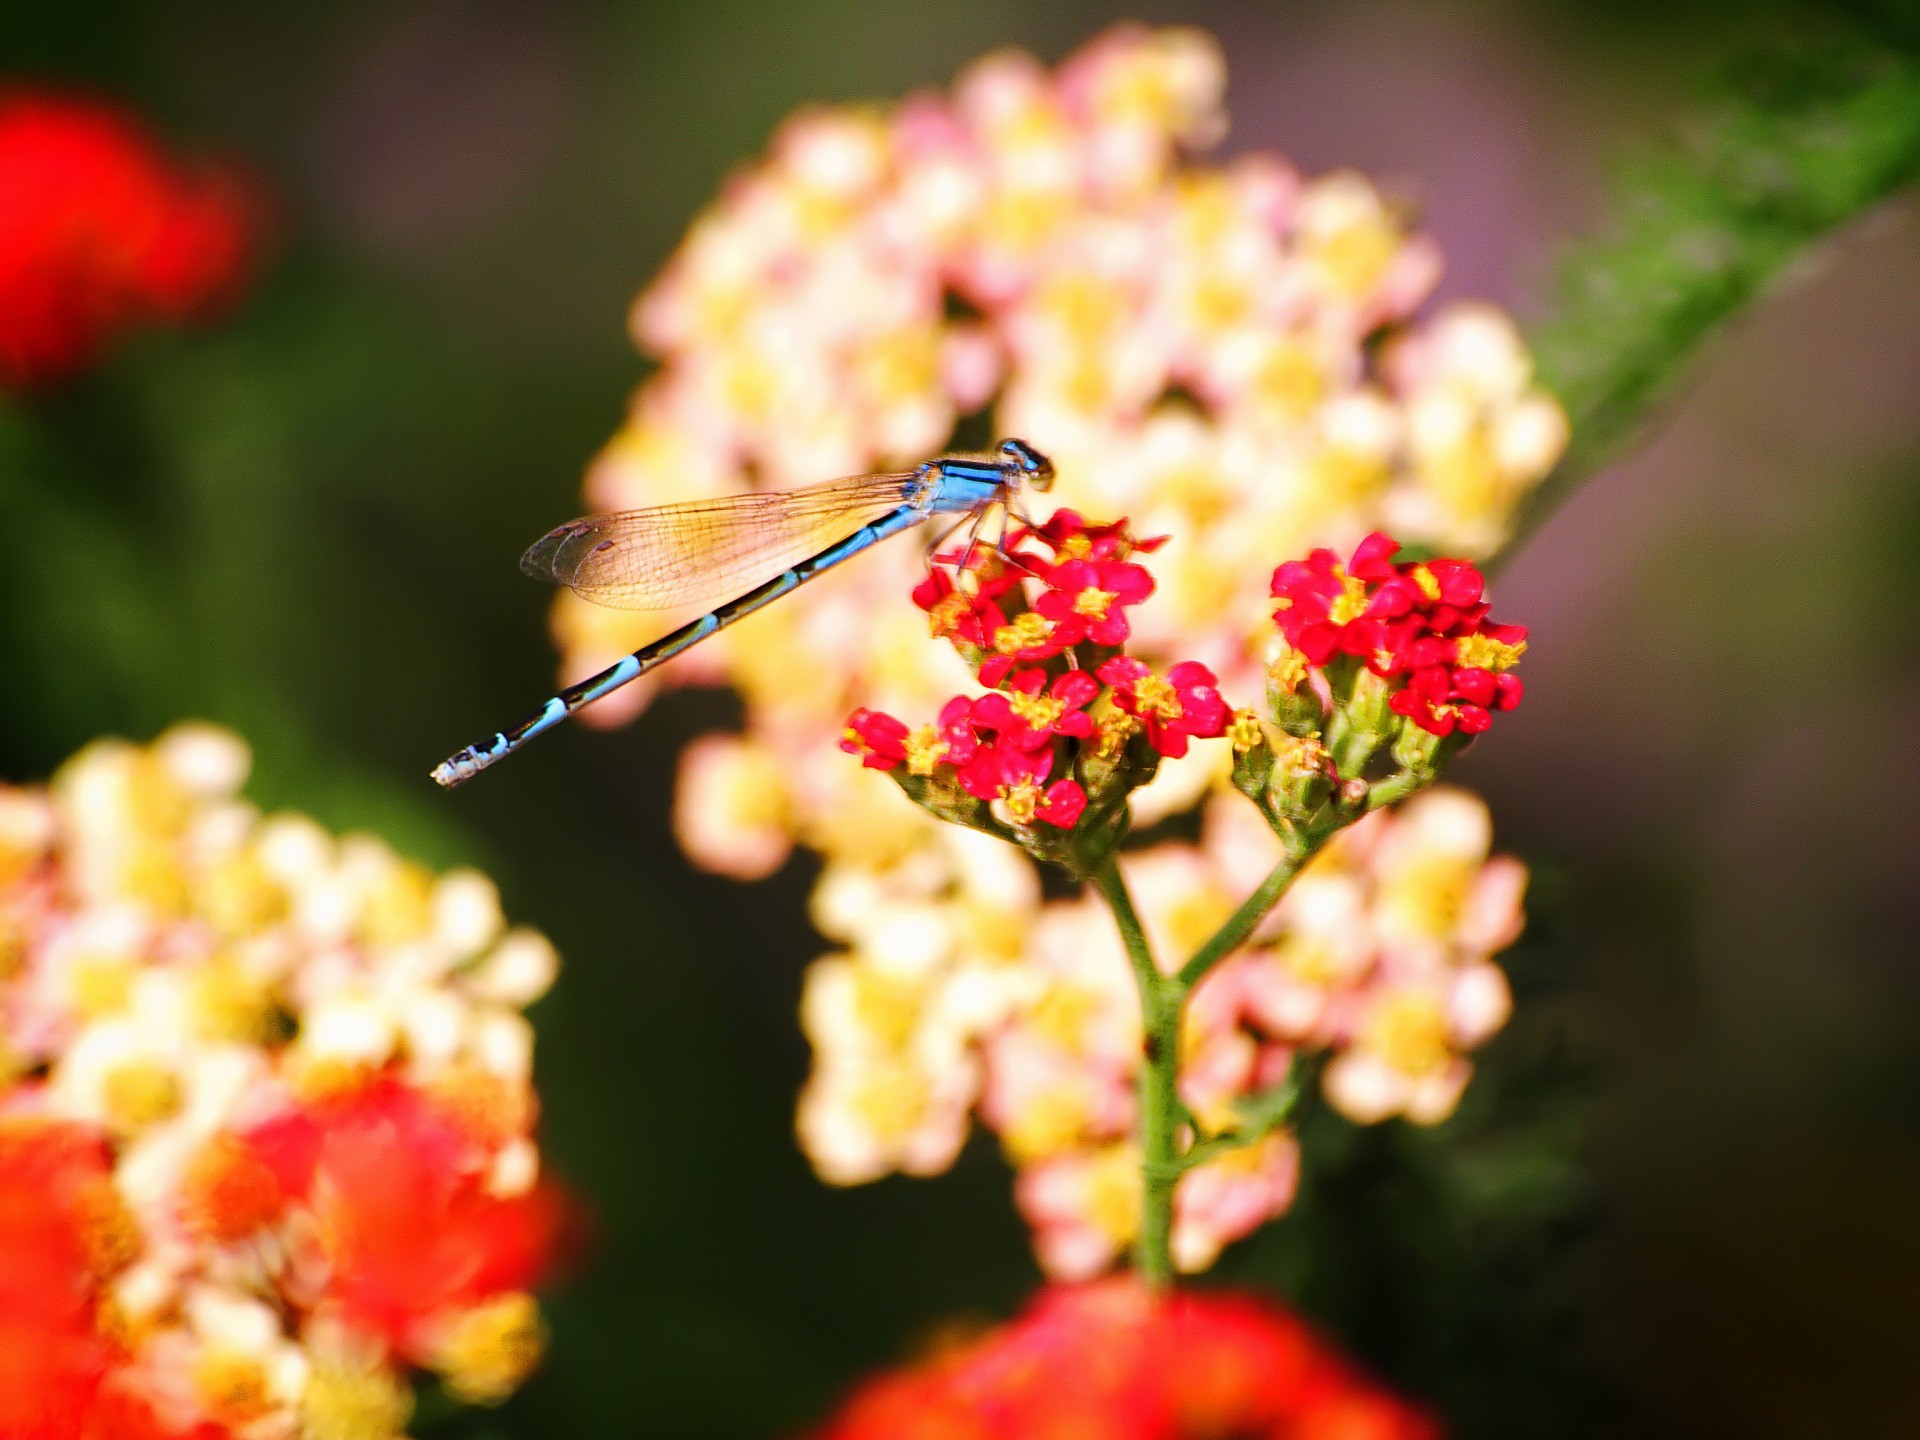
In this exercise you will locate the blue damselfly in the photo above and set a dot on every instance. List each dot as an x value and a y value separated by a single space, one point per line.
671 557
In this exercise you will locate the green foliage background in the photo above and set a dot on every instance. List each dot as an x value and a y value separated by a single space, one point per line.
1678 1198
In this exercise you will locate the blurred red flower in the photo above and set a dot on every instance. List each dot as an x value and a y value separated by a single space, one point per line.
1109 1360
410 1231
100 232
62 1233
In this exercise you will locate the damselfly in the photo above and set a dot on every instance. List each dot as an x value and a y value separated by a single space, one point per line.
673 556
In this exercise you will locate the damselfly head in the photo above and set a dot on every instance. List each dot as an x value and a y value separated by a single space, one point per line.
1034 468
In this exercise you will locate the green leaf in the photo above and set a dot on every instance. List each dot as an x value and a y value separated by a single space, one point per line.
1794 148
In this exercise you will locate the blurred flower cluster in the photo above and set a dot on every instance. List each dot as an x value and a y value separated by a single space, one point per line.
1108 1360
100 232
1229 354
265 1114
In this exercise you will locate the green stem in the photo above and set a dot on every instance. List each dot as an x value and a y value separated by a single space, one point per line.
1397 787
1162 1002
1230 936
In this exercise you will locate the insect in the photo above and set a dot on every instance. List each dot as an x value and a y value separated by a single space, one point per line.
670 556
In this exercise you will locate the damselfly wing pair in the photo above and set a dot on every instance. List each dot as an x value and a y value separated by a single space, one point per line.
671 557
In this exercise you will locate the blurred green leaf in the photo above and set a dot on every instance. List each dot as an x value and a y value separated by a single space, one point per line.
1796 146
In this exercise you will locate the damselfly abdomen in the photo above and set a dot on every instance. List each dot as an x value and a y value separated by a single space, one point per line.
673 556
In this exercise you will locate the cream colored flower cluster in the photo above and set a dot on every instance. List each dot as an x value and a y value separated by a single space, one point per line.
1225 352
961 993
305 1064
1222 352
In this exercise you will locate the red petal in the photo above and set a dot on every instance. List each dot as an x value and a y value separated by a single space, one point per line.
1473 685
1076 688
1063 804
1373 557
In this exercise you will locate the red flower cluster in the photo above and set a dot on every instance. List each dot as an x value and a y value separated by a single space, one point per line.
410 1235
63 1234
1423 623
994 750
1109 1360
1058 686
99 232
1088 583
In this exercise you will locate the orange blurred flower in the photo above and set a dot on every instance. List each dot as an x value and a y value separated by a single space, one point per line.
1112 1362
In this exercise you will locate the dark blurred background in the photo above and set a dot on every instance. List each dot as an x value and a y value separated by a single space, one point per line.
1682 1196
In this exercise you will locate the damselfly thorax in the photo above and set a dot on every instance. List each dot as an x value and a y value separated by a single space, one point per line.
671 557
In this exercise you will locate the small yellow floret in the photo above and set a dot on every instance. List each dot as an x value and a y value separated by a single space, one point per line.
1093 603
925 750
492 1348
1154 695
1022 633
1487 653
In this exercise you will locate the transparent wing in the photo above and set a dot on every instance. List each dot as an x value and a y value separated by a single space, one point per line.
669 557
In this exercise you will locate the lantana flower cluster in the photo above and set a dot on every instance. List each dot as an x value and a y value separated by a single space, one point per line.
1111 1361
970 997
266 1114
100 232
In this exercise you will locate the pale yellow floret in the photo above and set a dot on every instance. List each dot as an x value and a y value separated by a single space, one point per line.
345 1400
1113 1200
1487 653
487 1352
1408 1030
232 1387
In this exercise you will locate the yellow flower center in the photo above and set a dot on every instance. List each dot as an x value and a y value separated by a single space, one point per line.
1116 728
1424 578
1061 1015
891 1101
1487 653
1351 603
925 750
488 1351
1039 711
1311 961
887 1006
1429 894
1023 633
1288 669
1303 755
1075 547
1245 732
232 1387
1022 801
1113 1195
945 616
1048 1123
229 1004
138 1094
353 1402
1093 603
1154 695
1409 1032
